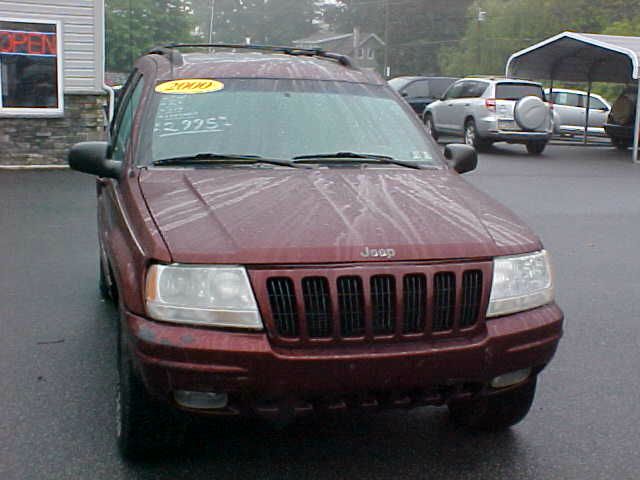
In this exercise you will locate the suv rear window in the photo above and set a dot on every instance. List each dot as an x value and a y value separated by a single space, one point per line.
516 91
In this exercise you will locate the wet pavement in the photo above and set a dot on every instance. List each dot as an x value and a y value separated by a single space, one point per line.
57 349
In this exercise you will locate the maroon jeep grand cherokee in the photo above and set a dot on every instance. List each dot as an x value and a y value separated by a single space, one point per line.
282 236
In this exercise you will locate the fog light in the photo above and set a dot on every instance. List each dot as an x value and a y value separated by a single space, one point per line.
201 400
511 378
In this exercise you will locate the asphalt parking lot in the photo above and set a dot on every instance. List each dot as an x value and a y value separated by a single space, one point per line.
57 348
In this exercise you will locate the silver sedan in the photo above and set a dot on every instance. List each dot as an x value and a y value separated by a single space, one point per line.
570 108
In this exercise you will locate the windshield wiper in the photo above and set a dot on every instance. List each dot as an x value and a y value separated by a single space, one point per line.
204 158
366 157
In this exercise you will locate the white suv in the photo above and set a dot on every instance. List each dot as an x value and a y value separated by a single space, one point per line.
484 111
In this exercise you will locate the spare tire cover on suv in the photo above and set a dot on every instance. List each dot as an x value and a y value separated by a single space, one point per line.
530 113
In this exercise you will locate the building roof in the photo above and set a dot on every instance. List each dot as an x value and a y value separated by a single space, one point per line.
333 40
323 37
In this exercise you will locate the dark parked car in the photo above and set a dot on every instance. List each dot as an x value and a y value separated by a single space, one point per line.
421 91
621 120
274 250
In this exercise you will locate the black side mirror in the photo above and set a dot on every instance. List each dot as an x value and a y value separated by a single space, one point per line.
462 158
404 94
91 158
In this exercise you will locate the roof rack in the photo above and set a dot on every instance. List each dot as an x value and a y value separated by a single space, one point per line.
175 56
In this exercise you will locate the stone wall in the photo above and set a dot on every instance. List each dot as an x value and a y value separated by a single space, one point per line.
41 141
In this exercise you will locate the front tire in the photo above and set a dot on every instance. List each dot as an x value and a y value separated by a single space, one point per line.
103 285
107 289
621 144
145 426
430 126
536 147
495 412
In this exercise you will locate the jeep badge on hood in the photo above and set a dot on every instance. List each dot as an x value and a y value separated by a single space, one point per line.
378 253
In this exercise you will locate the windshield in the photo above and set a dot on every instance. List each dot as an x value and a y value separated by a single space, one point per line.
285 119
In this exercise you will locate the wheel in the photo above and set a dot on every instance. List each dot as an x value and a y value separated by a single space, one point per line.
107 291
495 412
145 426
472 138
106 286
102 283
536 147
620 143
430 126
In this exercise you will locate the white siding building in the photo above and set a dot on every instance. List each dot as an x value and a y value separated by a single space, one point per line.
83 37
51 77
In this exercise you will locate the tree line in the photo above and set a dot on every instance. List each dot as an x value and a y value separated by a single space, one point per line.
454 37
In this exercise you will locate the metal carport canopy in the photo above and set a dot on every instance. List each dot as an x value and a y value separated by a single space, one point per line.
581 57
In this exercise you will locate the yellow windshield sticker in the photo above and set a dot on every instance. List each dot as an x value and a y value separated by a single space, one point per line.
190 86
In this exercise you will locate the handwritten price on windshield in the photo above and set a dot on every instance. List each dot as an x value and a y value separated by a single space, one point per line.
191 126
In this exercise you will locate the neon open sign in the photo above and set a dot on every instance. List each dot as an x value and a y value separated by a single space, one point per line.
16 42
31 71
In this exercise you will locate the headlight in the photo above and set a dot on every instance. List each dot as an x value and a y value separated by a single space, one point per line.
218 296
520 283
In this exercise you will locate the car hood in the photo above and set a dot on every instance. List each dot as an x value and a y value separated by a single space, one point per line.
329 215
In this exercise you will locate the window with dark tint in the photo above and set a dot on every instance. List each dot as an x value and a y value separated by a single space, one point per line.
125 125
29 64
568 99
596 104
516 91
466 89
399 83
474 89
439 85
419 88
456 91
480 88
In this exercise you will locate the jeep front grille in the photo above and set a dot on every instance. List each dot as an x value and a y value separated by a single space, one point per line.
283 306
317 305
369 303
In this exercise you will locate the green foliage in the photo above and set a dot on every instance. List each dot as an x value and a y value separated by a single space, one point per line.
630 26
425 37
262 21
417 29
511 25
134 26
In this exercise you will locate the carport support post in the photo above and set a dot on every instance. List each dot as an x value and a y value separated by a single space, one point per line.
636 129
586 117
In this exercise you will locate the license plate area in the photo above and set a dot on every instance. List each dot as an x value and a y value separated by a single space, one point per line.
508 125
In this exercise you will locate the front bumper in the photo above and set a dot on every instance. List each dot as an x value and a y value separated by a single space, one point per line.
619 131
254 373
